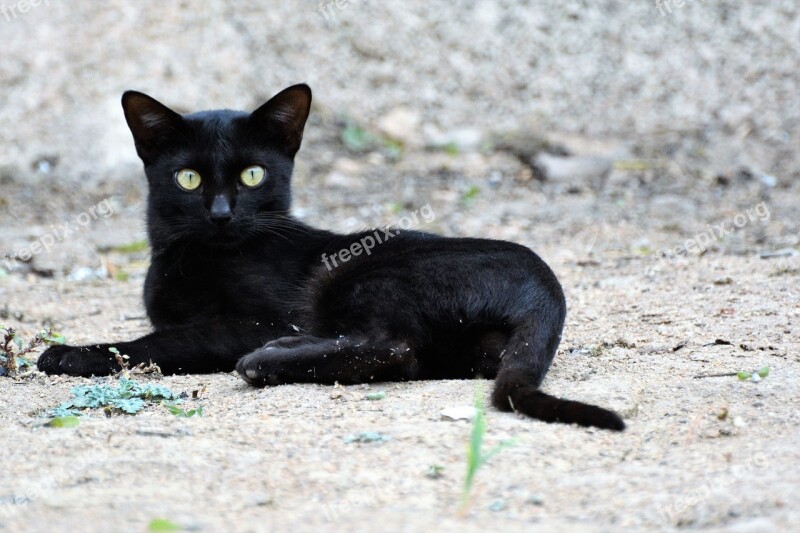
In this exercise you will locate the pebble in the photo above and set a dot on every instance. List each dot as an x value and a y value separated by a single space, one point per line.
535 499
462 139
589 171
497 505
459 413
401 124
87 273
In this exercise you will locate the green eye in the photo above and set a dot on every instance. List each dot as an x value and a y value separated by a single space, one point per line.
188 179
253 176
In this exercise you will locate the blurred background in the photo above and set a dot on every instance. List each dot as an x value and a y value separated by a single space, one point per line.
570 126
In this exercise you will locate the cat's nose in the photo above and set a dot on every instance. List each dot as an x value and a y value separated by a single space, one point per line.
221 209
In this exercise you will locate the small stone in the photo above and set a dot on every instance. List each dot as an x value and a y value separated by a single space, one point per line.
401 124
434 471
259 500
87 274
739 422
582 170
535 499
347 166
767 180
337 179
497 505
463 140
458 413
366 437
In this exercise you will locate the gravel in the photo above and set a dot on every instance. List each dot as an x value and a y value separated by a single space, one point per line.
725 74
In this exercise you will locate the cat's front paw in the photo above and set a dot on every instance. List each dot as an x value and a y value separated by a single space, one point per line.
77 361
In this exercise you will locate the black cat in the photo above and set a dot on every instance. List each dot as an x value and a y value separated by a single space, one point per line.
236 282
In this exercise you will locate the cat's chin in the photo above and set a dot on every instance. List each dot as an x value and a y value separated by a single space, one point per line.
225 240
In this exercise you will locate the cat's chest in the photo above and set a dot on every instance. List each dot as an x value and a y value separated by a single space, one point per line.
252 285
223 285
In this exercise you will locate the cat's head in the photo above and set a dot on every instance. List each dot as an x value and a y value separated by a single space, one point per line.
217 177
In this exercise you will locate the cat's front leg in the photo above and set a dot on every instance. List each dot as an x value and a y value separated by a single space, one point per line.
309 359
197 348
93 360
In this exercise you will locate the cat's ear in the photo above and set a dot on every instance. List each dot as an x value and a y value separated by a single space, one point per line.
284 116
152 123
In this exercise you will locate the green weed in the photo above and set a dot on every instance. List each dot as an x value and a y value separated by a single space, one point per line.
129 248
64 422
476 457
373 396
128 397
162 525
358 139
183 413
470 194
757 375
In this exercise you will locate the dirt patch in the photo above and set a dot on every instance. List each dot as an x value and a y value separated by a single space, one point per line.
703 452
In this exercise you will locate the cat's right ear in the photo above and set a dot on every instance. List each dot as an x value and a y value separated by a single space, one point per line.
152 123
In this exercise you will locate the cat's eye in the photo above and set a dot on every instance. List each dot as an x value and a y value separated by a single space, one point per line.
188 179
253 175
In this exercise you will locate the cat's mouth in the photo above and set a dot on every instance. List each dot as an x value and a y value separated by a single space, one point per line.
226 233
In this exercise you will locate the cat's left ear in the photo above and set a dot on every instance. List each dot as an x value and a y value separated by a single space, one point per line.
284 116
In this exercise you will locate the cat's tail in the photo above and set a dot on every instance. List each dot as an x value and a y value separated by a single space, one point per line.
527 399
525 361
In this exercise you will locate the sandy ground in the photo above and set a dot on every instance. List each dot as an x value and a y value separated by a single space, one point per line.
715 453
672 126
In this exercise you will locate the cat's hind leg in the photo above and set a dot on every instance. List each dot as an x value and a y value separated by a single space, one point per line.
309 359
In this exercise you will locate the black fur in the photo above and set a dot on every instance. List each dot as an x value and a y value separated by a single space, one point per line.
248 288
